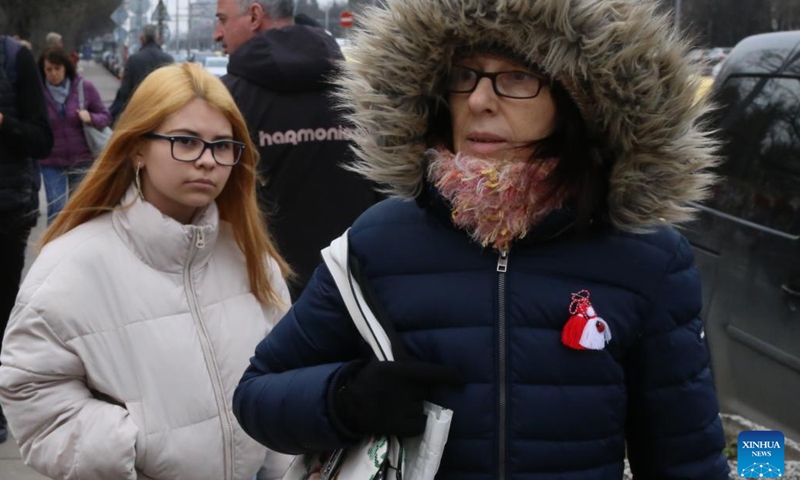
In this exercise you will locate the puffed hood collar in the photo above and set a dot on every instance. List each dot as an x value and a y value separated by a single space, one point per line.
620 60
162 242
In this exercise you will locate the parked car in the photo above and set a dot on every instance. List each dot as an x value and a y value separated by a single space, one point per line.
199 56
216 65
747 238
704 84
180 56
113 62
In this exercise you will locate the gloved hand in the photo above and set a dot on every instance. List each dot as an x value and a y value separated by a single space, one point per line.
385 398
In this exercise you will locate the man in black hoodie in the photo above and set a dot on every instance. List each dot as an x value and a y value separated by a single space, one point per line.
278 74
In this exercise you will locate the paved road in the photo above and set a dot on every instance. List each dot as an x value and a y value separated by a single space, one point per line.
11 466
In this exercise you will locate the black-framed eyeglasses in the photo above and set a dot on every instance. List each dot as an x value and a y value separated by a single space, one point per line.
187 148
513 84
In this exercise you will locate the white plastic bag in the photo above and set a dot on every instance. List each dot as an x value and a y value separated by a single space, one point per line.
376 458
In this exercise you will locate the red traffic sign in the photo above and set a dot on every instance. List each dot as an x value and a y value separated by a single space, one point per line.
346 19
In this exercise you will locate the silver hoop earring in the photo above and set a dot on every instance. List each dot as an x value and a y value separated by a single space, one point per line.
138 181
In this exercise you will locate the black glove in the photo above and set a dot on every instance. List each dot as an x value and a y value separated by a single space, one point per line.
385 398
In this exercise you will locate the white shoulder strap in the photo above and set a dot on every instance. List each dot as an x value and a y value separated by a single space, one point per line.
80 94
336 258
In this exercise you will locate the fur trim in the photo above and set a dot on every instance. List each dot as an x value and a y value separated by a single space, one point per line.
622 62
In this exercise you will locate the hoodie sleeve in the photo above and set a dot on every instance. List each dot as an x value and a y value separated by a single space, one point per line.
673 428
63 431
282 399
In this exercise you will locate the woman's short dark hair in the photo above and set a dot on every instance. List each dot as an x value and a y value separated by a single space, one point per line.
583 171
57 56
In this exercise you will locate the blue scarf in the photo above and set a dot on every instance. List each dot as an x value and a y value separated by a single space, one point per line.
59 93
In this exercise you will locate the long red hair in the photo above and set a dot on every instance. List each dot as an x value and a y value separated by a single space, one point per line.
162 93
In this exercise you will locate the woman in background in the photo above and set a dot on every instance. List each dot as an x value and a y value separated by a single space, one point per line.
66 166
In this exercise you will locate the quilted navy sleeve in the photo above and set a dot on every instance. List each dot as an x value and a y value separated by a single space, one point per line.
282 399
673 425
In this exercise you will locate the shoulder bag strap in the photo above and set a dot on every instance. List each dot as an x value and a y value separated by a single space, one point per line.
372 302
336 258
80 94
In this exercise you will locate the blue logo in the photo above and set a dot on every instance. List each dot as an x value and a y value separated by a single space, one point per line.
760 454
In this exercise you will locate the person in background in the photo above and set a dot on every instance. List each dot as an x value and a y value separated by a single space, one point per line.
150 289
24 136
140 64
54 39
71 157
278 75
539 154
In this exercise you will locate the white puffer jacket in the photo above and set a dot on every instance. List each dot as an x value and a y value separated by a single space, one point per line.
125 345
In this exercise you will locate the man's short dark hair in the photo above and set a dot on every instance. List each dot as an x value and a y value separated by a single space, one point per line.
149 33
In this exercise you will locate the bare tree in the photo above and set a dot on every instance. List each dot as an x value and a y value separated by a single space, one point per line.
723 23
76 20
786 14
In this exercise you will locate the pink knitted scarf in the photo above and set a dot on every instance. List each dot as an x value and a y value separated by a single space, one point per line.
495 201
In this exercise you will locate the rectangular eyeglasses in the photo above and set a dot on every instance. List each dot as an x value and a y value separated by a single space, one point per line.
187 148
514 84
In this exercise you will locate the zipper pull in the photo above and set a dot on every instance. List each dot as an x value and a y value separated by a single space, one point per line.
502 262
201 239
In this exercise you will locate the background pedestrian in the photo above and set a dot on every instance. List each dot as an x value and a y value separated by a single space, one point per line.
24 136
71 156
279 75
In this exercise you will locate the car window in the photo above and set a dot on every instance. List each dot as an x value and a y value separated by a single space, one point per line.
200 57
759 124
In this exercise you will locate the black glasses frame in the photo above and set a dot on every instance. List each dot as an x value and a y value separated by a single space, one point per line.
492 76
206 145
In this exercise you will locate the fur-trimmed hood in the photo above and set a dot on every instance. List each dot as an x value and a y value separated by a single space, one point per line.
622 62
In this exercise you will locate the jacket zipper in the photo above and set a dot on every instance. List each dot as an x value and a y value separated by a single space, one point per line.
502 267
208 355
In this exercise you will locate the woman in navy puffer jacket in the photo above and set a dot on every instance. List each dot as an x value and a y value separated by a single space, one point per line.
71 157
538 154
